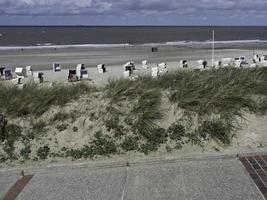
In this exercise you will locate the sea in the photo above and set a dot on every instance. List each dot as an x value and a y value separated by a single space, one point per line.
12 37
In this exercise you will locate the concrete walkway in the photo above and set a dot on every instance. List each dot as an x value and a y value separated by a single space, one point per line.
201 179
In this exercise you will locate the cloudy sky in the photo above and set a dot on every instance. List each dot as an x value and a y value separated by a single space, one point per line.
133 12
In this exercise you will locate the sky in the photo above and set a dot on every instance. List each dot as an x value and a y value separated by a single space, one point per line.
133 12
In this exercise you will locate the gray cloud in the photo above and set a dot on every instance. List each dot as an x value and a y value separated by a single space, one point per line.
136 11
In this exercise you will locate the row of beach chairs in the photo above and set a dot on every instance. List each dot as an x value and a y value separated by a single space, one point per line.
80 73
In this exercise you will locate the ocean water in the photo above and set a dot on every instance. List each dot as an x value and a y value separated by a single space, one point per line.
16 36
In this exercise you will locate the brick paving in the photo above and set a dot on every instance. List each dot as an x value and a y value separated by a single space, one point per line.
17 187
257 169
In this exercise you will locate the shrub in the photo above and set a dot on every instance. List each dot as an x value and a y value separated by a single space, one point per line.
9 149
85 152
149 147
75 129
168 149
130 144
63 116
157 136
25 152
103 145
3 158
62 127
176 131
12 134
113 124
74 153
3 123
215 129
43 152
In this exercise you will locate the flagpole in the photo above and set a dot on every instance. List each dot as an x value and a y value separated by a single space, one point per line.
212 56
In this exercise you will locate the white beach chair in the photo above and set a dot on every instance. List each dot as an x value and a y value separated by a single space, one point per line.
101 68
263 61
202 64
38 77
79 68
56 67
129 66
155 72
19 72
20 75
162 68
162 65
218 64
126 74
183 64
240 62
256 59
28 70
144 64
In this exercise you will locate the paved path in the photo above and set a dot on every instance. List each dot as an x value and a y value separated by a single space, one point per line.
213 178
257 169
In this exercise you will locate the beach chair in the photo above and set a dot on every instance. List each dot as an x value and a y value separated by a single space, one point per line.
72 77
8 74
84 74
183 64
202 64
38 77
29 71
129 66
256 59
155 72
240 62
127 74
79 68
218 64
56 67
19 71
263 61
162 68
101 68
144 64
154 49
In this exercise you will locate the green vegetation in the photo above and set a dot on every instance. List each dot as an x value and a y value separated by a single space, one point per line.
63 116
176 131
130 144
25 152
32 100
61 127
43 152
12 134
212 103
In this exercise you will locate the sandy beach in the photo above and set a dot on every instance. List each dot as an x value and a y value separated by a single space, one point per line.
115 58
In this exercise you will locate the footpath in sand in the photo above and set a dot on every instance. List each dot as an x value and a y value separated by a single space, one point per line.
200 178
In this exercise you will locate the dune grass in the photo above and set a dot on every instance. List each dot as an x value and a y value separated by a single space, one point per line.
216 99
32 100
